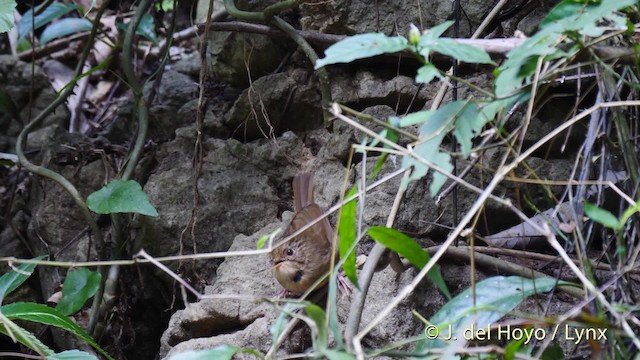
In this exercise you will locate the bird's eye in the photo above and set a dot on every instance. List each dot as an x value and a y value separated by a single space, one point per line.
289 252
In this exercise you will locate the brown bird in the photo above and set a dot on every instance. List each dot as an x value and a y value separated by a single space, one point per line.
299 263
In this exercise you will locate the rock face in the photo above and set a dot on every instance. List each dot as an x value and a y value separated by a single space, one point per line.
16 83
275 103
238 58
389 17
238 192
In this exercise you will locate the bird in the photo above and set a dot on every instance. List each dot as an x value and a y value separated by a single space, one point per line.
299 263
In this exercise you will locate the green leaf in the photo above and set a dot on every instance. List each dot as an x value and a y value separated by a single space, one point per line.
64 27
428 72
347 231
570 15
432 132
7 7
390 135
494 298
409 249
319 332
121 197
79 286
630 211
91 6
520 62
49 316
263 240
431 41
415 118
601 216
281 322
72 355
462 52
468 124
52 11
222 352
514 347
24 337
360 47
432 35
553 351
332 312
164 5
563 10
12 279
337 355
146 28
73 81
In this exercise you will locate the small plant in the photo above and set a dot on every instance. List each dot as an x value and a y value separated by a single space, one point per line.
79 286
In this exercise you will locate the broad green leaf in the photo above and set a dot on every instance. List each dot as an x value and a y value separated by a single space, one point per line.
430 151
494 298
416 118
7 7
12 279
583 17
72 355
563 10
408 248
462 52
319 334
53 11
432 132
428 72
491 109
601 216
49 316
64 27
146 28
360 47
431 41
520 62
337 355
468 124
512 72
222 352
347 231
79 286
121 197
430 36
21 335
